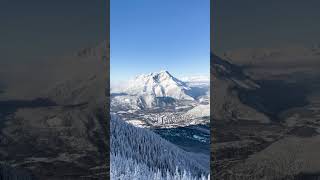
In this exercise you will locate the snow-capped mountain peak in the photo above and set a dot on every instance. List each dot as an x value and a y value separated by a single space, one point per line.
159 84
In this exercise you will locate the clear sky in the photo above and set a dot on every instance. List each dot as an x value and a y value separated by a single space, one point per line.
153 35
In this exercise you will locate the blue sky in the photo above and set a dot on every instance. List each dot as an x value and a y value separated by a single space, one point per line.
153 35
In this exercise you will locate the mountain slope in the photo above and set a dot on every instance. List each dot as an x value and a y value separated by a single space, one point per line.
148 149
151 90
227 80
199 111
159 84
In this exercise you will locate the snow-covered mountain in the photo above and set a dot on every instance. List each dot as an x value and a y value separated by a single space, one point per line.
138 153
157 89
159 99
143 101
199 111
159 84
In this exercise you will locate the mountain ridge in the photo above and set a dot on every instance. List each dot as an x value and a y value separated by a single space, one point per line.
157 89
159 84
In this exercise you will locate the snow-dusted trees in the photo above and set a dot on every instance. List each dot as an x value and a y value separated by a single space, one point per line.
128 169
138 153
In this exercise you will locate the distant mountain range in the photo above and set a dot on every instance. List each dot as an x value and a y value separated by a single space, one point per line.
196 80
